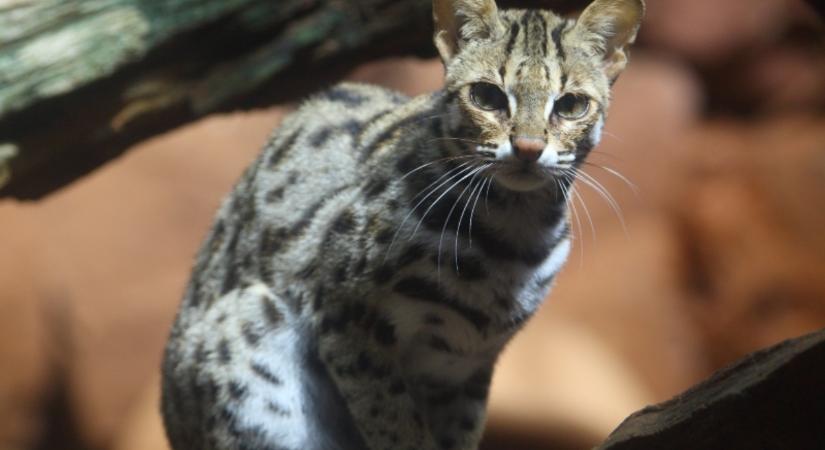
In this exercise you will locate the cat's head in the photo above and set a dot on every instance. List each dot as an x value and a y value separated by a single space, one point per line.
532 86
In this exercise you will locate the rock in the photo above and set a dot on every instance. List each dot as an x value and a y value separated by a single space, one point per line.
772 400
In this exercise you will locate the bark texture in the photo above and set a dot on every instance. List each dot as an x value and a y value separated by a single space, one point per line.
770 400
81 81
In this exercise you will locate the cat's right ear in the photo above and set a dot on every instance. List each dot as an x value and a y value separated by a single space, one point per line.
459 21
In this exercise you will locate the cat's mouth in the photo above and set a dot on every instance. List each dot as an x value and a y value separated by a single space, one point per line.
523 177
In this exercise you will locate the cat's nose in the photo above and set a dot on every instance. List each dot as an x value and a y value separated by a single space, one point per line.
528 149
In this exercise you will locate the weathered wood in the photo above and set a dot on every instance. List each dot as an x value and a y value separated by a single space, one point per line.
82 80
770 400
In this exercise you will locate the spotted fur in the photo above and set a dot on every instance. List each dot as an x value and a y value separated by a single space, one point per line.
361 279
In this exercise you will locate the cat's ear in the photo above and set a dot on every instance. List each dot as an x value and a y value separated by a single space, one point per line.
614 23
459 21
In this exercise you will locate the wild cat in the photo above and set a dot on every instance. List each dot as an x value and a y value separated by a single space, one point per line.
367 270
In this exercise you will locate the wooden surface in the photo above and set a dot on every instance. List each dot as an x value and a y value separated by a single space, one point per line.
773 399
81 81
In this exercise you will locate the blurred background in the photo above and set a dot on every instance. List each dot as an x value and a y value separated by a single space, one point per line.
714 152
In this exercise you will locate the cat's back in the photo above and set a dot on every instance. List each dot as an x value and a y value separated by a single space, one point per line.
244 291
322 139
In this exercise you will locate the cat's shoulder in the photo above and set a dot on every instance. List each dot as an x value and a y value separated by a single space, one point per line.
349 98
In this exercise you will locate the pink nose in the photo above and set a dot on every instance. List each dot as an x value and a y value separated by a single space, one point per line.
528 149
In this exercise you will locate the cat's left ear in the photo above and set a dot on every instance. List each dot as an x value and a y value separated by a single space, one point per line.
460 21
615 24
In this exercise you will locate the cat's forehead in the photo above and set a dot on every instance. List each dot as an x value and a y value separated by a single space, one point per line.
536 50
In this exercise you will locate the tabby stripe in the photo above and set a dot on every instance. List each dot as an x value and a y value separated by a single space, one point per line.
265 374
525 23
277 409
543 25
556 34
429 291
390 131
514 32
502 250
320 137
224 356
271 312
583 146
297 229
281 151
348 97
231 276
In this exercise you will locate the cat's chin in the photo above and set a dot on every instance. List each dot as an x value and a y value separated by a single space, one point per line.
522 182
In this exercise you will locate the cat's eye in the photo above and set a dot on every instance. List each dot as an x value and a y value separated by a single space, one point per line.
488 96
572 106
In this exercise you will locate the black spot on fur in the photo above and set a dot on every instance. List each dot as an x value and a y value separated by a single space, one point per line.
276 409
429 291
390 132
250 335
495 247
398 387
348 97
433 319
236 390
376 187
511 42
224 356
384 332
410 255
442 399
341 272
345 222
384 236
281 151
320 137
375 411
383 274
467 423
271 312
265 374
408 163
447 443
361 265
440 344
363 363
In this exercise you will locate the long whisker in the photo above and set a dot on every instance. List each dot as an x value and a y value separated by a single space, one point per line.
576 219
464 175
633 187
604 193
473 210
457 171
450 213
445 138
461 217
447 159
614 136
487 196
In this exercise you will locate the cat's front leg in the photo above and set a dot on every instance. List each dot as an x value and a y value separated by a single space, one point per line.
358 348
456 411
